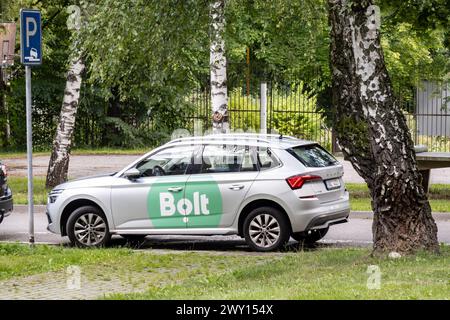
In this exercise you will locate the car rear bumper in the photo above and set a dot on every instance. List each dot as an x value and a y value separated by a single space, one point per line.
326 220
321 216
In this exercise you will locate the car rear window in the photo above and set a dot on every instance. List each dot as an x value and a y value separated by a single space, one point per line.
313 156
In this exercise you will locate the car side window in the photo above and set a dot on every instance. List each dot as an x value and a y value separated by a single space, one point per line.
227 158
266 159
249 162
170 161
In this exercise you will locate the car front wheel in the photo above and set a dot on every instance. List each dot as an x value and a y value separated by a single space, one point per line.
87 227
266 229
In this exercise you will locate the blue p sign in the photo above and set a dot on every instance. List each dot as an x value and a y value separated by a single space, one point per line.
30 37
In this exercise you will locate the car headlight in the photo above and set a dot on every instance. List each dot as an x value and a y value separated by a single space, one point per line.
53 195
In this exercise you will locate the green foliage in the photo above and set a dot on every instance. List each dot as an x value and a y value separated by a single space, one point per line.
145 51
414 55
155 53
48 79
288 41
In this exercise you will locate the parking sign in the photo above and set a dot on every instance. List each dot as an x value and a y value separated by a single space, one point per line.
30 37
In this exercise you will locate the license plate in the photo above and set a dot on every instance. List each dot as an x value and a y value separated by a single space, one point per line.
333 184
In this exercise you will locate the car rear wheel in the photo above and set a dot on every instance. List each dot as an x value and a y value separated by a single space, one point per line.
266 229
87 227
310 236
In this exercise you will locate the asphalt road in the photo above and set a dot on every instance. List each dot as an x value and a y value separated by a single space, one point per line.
355 233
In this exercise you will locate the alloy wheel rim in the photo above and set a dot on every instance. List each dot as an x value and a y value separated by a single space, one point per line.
90 229
264 230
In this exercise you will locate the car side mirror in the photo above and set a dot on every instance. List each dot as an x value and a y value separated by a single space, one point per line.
132 173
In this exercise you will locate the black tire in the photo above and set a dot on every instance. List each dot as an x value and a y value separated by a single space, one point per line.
262 242
311 236
98 225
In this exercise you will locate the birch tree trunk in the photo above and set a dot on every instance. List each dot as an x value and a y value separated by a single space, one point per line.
373 133
218 68
59 160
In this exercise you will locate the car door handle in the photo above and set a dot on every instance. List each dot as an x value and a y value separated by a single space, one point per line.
175 189
236 187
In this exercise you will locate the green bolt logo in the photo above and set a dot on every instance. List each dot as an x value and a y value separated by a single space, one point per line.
197 205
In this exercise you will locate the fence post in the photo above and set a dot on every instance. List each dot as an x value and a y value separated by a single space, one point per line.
263 110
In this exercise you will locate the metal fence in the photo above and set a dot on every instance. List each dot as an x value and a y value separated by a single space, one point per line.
292 111
429 120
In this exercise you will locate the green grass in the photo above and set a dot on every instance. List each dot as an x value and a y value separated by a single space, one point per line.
363 204
19 187
359 194
439 197
437 191
21 260
321 273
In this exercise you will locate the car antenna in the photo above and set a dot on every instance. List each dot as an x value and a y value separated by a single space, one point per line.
281 136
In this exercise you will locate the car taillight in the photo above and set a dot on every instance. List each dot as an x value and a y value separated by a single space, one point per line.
3 168
296 182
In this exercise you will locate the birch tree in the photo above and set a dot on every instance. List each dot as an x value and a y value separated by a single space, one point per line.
218 68
59 160
373 132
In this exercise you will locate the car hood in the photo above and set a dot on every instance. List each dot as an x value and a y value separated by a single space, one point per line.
103 180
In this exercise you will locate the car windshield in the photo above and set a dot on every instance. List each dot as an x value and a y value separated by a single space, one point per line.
170 161
313 156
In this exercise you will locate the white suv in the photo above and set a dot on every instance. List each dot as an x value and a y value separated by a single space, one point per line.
264 188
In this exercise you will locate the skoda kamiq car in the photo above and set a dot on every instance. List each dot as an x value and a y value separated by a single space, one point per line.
265 188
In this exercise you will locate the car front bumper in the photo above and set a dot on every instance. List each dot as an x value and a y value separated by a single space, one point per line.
53 222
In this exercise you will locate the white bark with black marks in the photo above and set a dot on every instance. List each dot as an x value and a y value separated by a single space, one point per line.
218 68
373 133
59 160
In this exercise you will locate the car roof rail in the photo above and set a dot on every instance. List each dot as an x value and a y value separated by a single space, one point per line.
217 137
260 137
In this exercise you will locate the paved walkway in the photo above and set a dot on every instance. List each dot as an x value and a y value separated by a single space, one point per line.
86 165
66 285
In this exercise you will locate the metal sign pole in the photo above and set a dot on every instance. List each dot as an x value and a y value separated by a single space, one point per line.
31 55
29 154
